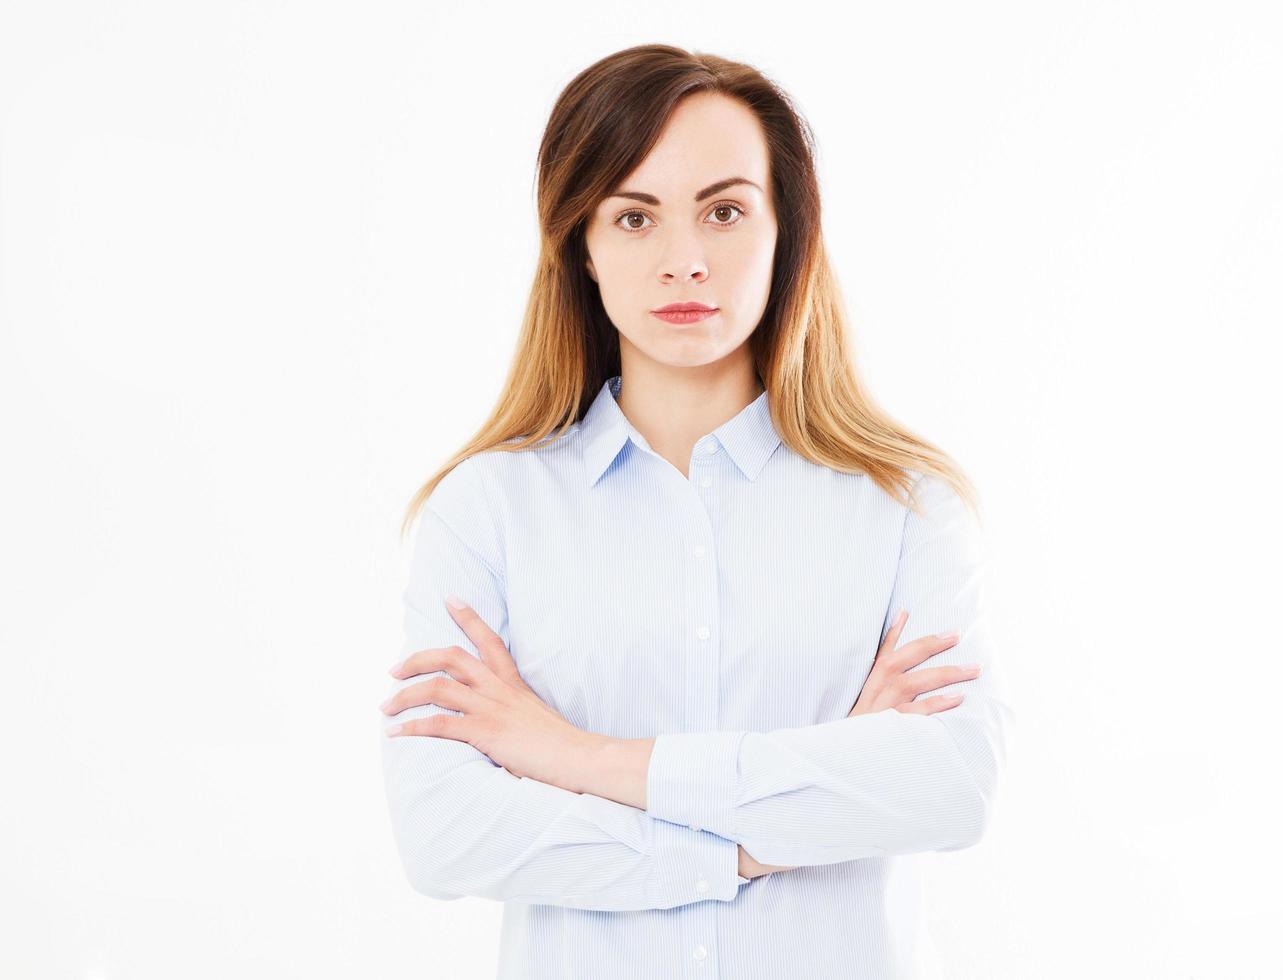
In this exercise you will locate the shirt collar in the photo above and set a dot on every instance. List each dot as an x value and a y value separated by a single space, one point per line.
749 438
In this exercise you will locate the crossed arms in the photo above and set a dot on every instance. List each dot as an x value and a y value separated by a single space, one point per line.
863 786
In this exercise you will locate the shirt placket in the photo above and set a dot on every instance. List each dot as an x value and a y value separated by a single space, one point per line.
702 631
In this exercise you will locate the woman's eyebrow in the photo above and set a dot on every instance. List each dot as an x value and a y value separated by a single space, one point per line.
708 191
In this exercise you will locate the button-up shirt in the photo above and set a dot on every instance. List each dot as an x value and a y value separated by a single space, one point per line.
733 614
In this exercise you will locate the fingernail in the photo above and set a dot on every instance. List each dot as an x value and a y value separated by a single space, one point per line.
975 667
386 703
951 635
455 602
392 731
395 669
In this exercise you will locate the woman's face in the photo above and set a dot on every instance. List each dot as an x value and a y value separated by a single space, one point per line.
653 243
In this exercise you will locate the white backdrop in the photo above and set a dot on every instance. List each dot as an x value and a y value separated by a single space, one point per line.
262 271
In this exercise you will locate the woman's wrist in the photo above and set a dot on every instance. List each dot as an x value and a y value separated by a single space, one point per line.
750 867
612 768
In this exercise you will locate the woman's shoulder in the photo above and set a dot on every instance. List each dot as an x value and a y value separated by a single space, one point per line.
487 481
505 469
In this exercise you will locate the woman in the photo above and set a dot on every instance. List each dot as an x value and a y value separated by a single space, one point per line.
672 723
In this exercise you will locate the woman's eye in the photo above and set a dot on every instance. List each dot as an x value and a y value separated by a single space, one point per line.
633 221
627 217
728 207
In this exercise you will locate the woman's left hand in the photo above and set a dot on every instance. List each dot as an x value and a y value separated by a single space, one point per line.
502 717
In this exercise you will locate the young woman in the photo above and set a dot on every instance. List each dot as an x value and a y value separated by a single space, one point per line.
695 664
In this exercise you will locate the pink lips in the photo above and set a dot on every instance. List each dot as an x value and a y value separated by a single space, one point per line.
685 312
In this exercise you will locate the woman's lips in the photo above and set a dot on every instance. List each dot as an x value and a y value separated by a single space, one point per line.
685 316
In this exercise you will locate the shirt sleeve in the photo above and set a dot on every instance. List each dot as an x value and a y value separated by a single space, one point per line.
463 825
873 784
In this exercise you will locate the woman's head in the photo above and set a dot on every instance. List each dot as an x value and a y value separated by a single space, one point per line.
693 222
668 123
660 121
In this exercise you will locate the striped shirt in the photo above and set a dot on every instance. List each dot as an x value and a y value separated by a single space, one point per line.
733 614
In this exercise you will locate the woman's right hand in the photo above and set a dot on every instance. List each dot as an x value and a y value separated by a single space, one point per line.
890 683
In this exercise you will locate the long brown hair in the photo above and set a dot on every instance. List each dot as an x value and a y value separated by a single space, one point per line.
603 125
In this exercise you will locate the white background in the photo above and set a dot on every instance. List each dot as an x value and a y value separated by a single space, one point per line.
262 271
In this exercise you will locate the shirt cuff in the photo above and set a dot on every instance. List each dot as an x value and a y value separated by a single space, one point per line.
691 867
691 779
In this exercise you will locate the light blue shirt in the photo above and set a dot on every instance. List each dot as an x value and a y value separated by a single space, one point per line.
732 614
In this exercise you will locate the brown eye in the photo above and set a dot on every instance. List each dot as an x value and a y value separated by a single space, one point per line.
725 206
629 225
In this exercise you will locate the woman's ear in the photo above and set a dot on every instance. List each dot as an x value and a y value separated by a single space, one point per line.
591 271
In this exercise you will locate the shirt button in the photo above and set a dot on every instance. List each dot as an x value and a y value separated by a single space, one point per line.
710 447
701 885
706 482
700 952
694 827
702 632
699 551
